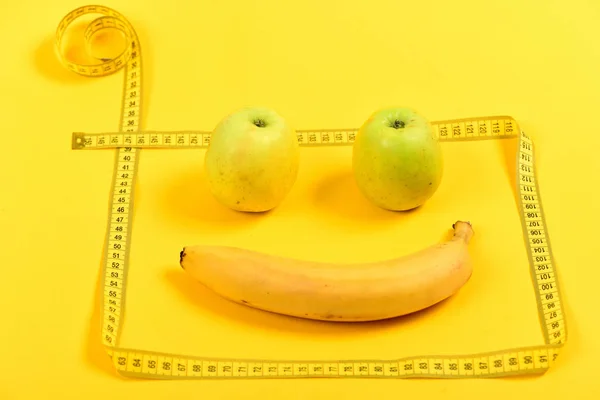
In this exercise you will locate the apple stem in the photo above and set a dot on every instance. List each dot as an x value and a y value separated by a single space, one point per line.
397 124
260 123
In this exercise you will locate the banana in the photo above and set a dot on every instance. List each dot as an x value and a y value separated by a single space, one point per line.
334 292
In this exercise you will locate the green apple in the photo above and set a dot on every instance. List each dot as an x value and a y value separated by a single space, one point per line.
396 159
252 160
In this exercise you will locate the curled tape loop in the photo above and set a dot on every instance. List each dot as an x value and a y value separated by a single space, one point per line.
110 20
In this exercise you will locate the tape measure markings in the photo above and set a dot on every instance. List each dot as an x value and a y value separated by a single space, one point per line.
540 252
496 363
151 364
135 363
118 236
201 139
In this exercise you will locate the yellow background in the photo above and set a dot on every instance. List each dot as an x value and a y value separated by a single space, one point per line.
322 64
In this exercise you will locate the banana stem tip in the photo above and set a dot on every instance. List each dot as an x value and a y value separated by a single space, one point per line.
463 230
181 255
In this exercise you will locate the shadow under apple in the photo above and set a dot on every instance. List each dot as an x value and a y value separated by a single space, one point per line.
338 195
188 201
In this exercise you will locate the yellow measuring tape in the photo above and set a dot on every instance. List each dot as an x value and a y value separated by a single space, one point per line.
149 364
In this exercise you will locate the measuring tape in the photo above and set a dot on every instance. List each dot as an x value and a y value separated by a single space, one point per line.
128 142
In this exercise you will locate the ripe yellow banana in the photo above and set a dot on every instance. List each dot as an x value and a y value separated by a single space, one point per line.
334 292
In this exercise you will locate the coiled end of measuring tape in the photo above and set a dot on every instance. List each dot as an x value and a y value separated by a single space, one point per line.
109 19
